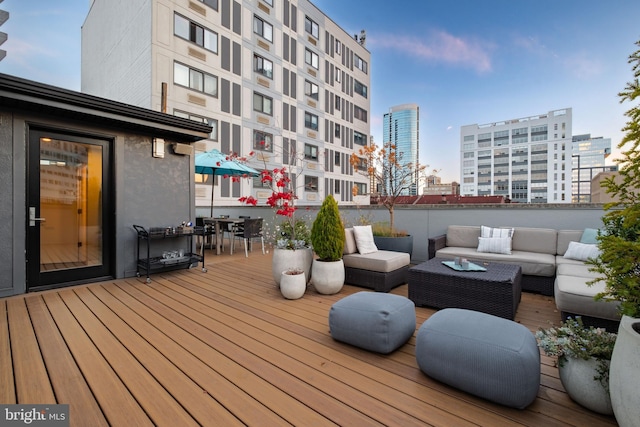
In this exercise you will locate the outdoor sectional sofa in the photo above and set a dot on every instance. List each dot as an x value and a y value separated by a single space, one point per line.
545 269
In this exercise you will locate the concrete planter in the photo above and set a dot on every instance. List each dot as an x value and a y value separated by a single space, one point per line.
624 375
293 284
328 276
286 259
577 376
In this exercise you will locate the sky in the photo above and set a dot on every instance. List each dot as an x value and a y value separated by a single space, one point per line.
462 61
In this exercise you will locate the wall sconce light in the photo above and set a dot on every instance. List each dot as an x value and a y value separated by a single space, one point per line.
157 145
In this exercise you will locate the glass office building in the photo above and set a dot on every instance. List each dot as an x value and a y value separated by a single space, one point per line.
401 127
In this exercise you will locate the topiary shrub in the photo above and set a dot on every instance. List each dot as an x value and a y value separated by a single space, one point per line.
327 232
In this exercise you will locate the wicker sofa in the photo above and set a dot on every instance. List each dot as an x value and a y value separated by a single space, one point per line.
380 270
545 269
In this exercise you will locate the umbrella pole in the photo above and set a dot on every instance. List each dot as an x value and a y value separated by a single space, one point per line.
213 177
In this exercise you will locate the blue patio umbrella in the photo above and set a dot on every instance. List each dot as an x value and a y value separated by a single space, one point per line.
213 163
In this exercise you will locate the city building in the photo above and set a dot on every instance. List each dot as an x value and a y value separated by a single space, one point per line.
588 160
279 82
432 185
401 128
527 160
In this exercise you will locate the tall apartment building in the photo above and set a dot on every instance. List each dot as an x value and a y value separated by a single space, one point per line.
588 160
401 127
527 160
269 76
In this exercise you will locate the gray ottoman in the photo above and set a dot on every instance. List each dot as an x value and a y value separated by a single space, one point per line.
488 356
373 321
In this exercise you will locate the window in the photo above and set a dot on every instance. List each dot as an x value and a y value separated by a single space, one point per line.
338 47
262 141
336 159
269 2
336 186
362 164
360 188
337 130
311 27
360 88
338 75
211 122
310 121
262 28
188 30
311 89
360 63
311 58
359 138
213 4
262 103
310 152
338 103
310 183
257 182
263 66
359 113
195 79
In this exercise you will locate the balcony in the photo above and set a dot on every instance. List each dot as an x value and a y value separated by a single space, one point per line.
224 348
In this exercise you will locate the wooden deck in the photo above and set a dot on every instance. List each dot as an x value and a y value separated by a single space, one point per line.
224 348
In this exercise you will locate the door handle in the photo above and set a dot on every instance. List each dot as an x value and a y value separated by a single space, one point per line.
32 217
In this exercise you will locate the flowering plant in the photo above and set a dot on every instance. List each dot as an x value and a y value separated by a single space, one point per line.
573 339
292 233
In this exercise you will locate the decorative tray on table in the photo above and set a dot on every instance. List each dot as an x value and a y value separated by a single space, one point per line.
458 267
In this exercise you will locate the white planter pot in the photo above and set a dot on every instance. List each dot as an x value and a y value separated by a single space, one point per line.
624 376
577 378
293 286
285 259
328 276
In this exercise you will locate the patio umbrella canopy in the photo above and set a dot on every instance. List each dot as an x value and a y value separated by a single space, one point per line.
213 163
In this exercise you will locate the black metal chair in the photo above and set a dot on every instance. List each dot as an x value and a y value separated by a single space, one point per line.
252 230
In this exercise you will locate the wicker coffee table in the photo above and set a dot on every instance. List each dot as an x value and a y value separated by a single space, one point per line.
495 291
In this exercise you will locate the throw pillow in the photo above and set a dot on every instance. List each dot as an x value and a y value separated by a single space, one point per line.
364 239
496 232
581 251
349 242
496 245
589 236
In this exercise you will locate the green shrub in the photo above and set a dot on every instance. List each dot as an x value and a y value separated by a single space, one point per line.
327 232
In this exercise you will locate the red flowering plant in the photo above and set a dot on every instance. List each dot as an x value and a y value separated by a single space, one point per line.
292 233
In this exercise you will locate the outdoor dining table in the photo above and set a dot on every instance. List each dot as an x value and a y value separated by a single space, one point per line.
213 226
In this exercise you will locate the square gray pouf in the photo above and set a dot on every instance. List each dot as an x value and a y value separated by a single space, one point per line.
485 355
373 321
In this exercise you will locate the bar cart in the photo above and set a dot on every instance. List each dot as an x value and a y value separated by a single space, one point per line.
170 259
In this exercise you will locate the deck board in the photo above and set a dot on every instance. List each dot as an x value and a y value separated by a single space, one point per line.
224 348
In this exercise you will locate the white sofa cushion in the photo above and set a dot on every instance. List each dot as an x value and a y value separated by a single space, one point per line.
533 264
464 236
381 261
496 232
581 251
539 240
364 239
496 245
572 295
349 242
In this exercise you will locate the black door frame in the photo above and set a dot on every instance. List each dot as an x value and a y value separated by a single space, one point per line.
37 280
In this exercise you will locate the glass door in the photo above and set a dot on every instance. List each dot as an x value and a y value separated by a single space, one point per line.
68 210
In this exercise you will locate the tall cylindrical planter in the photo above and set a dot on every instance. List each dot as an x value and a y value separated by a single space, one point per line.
293 284
286 259
577 376
328 276
624 375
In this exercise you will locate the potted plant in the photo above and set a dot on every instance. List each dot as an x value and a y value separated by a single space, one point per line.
293 283
292 236
327 239
619 262
583 357
385 165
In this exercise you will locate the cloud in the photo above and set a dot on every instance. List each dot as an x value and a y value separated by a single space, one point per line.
440 47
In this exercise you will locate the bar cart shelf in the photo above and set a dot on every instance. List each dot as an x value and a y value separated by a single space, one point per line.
157 264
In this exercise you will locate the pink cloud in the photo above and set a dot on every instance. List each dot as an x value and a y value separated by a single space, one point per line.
441 47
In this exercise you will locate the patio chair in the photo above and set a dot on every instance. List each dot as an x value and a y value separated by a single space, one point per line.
252 230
